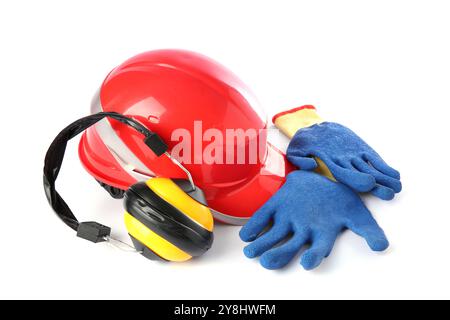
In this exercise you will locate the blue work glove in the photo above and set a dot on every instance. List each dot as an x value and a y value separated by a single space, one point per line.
349 159
336 152
308 209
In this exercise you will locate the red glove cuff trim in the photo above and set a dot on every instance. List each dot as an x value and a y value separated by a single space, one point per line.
307 106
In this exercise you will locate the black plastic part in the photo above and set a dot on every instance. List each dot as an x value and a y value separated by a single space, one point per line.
114 192
145 251
55 155
154 142
47 189
93 231
166 220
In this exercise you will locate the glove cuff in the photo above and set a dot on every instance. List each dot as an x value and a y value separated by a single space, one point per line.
290 121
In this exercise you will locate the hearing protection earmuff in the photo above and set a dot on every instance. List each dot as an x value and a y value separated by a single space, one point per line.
167 219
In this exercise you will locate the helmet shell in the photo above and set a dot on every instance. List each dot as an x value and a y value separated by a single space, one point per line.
169 90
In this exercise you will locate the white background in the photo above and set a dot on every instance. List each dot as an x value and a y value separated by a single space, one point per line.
379 67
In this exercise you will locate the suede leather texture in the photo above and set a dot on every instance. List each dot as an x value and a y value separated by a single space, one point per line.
351 160
308 209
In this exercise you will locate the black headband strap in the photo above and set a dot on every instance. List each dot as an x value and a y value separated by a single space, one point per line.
55 156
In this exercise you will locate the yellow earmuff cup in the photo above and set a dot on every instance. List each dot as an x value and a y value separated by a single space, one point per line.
153 241
166 220
171 193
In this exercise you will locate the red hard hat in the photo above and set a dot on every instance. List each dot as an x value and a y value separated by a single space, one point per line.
167 90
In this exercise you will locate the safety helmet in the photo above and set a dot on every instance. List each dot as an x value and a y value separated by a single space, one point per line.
173 92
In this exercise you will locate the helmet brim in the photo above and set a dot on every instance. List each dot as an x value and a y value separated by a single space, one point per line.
237 205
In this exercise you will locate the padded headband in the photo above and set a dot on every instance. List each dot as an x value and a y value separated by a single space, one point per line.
55 156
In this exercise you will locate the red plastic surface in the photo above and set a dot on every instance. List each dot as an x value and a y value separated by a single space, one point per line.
170 89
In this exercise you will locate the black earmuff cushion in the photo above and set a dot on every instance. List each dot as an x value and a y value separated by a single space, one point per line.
167 221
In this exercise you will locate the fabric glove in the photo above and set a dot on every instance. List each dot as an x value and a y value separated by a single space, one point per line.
336 152
308 209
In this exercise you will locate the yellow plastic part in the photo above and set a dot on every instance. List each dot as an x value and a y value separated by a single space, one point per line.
153 241
173 194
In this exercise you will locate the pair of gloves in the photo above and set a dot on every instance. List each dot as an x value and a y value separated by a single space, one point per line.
315 207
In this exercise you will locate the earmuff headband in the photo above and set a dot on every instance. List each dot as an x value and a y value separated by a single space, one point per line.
53 160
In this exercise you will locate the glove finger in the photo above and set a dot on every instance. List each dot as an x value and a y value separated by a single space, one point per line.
363 224
267 240
344 164
378 163
360 182
320 249
258 221
303 163
294 149
277 258
382 192
381 178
